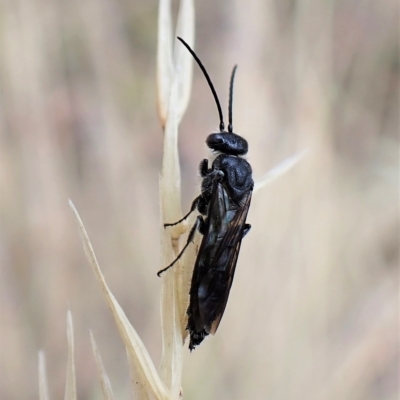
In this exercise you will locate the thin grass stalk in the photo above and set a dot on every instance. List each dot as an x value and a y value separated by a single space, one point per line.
104 379
43 384
70 382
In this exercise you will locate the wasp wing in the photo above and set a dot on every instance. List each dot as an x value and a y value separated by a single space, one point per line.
216 262
227 256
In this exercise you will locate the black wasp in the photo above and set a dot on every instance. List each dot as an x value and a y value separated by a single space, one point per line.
224 201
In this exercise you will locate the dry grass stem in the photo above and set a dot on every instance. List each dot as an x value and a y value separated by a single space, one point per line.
104 379
165 66
174 288
43 385
146 372
183 60
172 61
279 170
70 382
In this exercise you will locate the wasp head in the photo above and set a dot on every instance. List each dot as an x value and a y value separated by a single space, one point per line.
227 143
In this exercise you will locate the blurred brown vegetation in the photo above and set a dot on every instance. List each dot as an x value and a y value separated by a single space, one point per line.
313 313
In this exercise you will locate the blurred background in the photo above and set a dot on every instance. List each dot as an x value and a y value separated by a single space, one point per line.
314 310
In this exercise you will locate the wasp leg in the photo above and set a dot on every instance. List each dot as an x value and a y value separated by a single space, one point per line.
246 230
197 225
203 168
202 205
192 208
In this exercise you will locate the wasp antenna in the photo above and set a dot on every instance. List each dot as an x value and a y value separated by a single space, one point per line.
230 126
221 118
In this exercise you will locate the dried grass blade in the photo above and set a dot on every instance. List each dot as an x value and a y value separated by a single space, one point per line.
147 373
170 204
183 60
43 385
165 67
139 391
170 182
279 170
172 356
104 379
70 384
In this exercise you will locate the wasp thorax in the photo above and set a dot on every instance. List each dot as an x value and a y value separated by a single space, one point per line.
228 143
